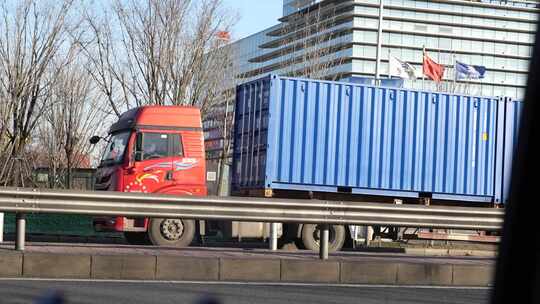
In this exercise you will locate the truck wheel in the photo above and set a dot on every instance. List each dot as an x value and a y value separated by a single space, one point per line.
288 240
311 236
171 232
136 238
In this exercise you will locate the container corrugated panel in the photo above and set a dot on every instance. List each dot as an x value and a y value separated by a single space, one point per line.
513 112
301 134
251 134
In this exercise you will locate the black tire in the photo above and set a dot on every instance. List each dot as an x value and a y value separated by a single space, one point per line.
288 239
136 238
311 233
182 234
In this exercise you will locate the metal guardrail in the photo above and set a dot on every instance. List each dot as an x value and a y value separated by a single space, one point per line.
23 201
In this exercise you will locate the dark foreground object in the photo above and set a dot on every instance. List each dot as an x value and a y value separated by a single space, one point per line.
518 269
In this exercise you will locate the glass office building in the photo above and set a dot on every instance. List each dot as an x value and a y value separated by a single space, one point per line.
496 34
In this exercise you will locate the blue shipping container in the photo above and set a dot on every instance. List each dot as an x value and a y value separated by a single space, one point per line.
302 134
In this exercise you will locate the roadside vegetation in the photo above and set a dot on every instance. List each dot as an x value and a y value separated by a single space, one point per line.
68 68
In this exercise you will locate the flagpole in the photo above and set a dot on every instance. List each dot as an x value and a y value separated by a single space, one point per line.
389 54
440 85
455 73
379 42
481 87
423 75
439 61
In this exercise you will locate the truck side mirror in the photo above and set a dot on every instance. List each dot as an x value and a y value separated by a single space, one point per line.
138 153
94 139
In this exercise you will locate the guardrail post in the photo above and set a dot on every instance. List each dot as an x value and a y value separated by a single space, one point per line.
1 227
20 229
323 246
273 236
368 235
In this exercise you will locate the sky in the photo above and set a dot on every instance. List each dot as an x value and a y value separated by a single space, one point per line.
254 15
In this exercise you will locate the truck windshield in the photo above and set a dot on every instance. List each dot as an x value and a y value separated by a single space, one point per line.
114 153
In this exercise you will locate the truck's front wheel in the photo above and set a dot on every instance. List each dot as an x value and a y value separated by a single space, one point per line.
171 232
311 237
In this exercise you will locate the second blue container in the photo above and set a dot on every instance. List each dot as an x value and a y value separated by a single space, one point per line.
310 135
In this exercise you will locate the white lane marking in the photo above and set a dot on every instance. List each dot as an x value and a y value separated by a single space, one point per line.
246 283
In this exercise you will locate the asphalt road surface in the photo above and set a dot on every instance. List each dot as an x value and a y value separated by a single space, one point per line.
27 291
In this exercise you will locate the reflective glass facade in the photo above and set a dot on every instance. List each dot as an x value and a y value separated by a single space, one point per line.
493 34
292 6
496 34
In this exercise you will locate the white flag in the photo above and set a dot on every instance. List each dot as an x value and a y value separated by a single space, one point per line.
401 69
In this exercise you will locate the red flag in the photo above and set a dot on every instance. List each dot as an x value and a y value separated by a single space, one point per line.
223 35
432 69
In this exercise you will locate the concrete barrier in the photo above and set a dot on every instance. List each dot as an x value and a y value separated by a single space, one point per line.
310 271
262 270
471 275
187 269
11 265
369 273
56 266
163 267
123 267
424 274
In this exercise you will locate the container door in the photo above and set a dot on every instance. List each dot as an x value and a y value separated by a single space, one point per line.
251 132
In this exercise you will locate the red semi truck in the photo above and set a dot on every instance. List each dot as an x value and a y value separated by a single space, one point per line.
284 147
154 149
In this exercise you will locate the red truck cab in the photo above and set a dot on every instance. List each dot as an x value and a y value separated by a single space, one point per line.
154 149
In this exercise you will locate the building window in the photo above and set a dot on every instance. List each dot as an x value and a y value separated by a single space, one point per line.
488 47
498 77
370 37
511 78
488 61
521 79
487 90
395 38
466 45
445 43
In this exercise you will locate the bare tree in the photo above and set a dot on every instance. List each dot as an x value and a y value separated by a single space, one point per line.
47 151
219 95
135 53
4 120
33 33
74 115
312 37
158 53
